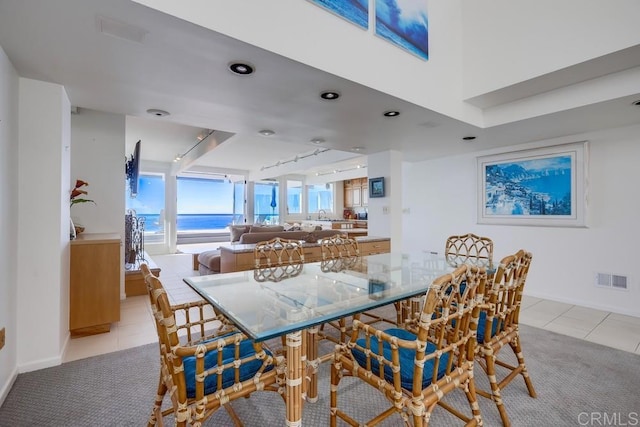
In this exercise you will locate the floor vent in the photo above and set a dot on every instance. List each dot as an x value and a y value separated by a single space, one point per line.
607 280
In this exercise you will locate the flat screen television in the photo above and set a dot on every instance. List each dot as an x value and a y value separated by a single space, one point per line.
132 169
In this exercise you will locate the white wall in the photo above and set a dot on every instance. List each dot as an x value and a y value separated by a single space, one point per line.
543 36
311 35
43 224
441 195
98 157
8 221
385 213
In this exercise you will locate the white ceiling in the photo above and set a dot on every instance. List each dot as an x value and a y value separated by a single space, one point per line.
182 68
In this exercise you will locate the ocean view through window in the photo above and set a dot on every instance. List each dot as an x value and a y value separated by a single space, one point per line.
204 204
149 203
266 202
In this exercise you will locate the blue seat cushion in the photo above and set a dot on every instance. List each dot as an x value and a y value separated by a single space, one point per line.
407 357
481 325
247 370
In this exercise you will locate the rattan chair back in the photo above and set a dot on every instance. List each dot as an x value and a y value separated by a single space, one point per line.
499 327
201 361
440 355
469 249
277 259
339 253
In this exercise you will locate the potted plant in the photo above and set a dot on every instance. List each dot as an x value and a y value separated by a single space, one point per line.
74 199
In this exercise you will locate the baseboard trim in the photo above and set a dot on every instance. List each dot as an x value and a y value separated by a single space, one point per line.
4 392
40 364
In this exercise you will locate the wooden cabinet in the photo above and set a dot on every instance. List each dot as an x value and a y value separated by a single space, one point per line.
240 257
375 247
231 260
356 192
94 291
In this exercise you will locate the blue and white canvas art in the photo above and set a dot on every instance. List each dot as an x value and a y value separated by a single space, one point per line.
542 186
405 24
355 11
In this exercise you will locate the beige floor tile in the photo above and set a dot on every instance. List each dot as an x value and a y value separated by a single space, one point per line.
567 326
615 334
136 340
146 328
528 301
549 307
535 319
136 315
586 314
80 348
634 321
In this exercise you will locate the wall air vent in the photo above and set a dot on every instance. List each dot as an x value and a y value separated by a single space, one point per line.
120 29
618 282
614 281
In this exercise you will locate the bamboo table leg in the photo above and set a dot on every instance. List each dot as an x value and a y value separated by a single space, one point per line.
312 364
294 379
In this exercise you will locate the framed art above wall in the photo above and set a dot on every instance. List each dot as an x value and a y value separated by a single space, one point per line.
543 186
354 11
404 23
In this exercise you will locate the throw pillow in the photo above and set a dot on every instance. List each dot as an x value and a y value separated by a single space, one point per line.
237 231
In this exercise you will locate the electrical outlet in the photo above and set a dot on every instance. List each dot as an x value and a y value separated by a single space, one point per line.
2 337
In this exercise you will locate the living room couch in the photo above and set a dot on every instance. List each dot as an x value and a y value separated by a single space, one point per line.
209 261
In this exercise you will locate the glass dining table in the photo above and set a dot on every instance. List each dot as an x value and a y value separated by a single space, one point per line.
295 304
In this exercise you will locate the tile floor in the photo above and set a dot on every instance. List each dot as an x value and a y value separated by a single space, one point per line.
136 323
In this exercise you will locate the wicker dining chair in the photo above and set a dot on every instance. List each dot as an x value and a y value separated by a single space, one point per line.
469 249
498 328
277 259
204 370
339 253
415 372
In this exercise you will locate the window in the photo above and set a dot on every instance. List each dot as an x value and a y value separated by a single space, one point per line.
265 202
149 203
320 197
294 197
204 204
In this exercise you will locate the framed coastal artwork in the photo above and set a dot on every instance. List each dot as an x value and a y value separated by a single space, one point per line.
543 186
355 11
405 24
376 187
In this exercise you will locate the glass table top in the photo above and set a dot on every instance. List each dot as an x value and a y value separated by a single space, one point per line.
317 292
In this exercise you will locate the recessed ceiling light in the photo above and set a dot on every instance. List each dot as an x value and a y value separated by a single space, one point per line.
330 95
317 140
468 138
266 132
157 113
391 113
357 148
241 68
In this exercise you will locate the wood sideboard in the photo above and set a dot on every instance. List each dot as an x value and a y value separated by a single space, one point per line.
94 293
239 257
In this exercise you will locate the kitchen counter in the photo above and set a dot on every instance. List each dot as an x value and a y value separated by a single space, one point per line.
239 257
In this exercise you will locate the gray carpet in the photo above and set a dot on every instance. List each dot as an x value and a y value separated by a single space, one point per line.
571 376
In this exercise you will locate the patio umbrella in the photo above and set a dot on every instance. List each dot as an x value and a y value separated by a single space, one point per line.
274 198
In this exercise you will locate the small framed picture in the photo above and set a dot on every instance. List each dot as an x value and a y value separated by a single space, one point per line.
376 187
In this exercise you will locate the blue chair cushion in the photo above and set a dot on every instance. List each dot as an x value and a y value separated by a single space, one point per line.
247 370
407 358
481 322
